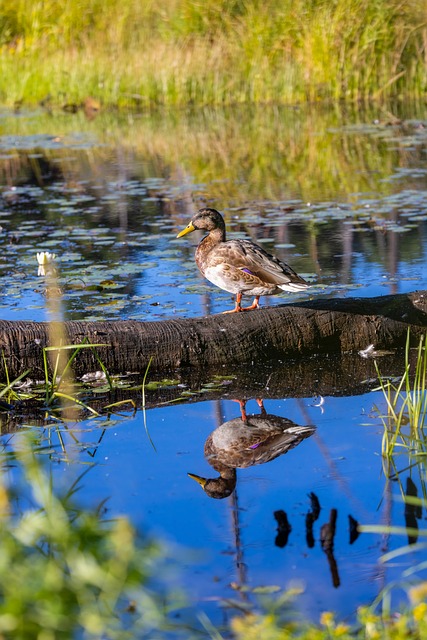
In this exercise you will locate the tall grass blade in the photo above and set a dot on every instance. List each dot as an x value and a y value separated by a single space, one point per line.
143 403
65 396
103 367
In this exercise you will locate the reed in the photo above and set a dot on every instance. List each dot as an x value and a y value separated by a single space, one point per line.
178 52
404 442
406 404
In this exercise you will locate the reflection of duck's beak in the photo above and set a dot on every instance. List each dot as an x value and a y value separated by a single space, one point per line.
199 479
188 229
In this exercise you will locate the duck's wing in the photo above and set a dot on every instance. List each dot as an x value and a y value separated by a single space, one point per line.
260 440
252 260
269 268
262 429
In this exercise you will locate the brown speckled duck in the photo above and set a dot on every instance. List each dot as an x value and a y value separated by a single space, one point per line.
244 442
239 266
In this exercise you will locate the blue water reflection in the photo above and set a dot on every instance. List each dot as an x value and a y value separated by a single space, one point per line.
221 542
160 280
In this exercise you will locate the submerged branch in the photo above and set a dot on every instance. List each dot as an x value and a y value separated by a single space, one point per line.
326 326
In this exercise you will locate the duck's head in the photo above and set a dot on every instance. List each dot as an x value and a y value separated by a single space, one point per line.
205 219
220 487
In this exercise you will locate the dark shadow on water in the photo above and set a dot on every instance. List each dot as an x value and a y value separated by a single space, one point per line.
413 512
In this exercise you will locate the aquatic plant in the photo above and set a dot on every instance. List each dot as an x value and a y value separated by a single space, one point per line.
272 621
404 448
59 375
406 404
45 261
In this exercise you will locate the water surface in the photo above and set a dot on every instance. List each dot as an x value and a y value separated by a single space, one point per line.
341 197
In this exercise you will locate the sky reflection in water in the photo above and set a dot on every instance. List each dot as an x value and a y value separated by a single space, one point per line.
221 542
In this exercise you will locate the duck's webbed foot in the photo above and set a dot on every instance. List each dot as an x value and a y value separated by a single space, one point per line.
255 305
238 307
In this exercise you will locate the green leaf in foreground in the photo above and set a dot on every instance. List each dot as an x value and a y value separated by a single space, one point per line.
65 572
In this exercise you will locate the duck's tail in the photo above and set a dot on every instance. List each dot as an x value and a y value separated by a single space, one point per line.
294 286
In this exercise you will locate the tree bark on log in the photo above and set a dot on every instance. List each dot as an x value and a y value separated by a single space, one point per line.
321 326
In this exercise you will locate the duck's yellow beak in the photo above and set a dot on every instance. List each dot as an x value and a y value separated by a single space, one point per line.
188 229
201 481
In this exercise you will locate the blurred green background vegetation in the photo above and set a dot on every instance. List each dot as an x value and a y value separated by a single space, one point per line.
180 52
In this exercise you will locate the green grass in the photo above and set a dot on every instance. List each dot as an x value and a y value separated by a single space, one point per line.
406 403
404 442
65 570
182 52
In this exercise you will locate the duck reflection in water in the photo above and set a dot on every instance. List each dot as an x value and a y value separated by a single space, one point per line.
244 442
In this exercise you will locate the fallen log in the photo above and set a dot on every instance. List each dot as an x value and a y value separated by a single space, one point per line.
320 326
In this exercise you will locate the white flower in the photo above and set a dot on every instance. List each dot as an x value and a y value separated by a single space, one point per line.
45 257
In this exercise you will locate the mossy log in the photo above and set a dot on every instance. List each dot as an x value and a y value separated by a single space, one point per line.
323 326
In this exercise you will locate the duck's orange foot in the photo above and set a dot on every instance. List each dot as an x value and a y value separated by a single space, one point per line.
254 305
242 409
238 307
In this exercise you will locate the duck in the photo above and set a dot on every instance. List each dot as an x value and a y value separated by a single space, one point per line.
239 266
246 441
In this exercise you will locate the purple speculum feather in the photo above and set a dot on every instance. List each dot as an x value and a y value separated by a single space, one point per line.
247 270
